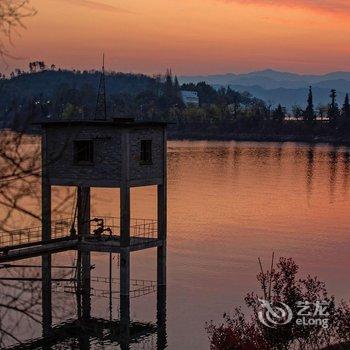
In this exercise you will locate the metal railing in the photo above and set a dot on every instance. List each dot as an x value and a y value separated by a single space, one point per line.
140 230
59 229
133 282
138 288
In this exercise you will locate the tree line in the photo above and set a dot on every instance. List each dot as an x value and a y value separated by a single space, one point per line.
45 91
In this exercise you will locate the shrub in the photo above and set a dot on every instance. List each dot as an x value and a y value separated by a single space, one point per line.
281 330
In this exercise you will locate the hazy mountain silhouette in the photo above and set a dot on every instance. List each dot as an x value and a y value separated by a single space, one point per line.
268 76
289 97
281 87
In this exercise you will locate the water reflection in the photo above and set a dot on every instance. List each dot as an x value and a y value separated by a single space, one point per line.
333 163
25 295
309 170
278 155
230 203
346 162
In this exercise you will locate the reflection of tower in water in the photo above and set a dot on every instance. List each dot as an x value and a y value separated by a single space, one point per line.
81 328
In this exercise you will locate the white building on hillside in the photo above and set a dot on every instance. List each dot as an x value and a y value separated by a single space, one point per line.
190 98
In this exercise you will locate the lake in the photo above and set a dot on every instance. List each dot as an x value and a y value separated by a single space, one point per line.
229 203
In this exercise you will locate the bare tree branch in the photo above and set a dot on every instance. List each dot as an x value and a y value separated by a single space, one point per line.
12 14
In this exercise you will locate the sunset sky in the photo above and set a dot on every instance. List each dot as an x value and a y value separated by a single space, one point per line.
190 36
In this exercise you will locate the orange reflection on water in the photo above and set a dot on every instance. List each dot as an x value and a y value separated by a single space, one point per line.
232 202
228 204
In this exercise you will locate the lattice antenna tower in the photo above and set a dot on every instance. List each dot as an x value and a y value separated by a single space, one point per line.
101 105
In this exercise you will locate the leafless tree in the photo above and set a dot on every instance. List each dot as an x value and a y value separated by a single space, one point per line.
12 15
20 178
21 304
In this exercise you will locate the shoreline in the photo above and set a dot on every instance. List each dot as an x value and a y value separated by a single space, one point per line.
345 141
250 137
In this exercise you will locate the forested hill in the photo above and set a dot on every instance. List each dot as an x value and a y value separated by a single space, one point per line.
221 113
50 93
47 82
27 96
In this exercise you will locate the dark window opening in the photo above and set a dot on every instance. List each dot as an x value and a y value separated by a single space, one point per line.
146 152
84 152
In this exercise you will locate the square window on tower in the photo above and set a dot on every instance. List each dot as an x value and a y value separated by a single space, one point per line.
83 152
146 152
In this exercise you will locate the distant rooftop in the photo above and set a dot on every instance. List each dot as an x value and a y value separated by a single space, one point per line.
189 94
190 97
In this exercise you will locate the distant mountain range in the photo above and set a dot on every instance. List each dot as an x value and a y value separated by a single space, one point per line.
276 87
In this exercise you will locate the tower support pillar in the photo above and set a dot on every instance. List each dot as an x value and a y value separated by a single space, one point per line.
125 294
83 204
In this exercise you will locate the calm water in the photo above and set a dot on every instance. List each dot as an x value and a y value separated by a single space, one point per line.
230 203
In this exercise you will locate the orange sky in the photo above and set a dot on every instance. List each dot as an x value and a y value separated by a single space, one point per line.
190 36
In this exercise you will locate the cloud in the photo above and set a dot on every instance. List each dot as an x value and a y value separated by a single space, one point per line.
97 5
330 6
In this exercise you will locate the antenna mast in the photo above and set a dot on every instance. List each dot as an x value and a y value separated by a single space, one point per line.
101 105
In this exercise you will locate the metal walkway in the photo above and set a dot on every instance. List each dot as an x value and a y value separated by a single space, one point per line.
104 237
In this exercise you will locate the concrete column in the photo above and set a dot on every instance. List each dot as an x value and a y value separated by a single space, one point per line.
125 190
84 230
46 210
78 285
46 295
125 295
46 258
161 265
83 203
162 211
162 219
161 250
125 243
125 215
45 194
110 287
161 318
45 236
86 285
